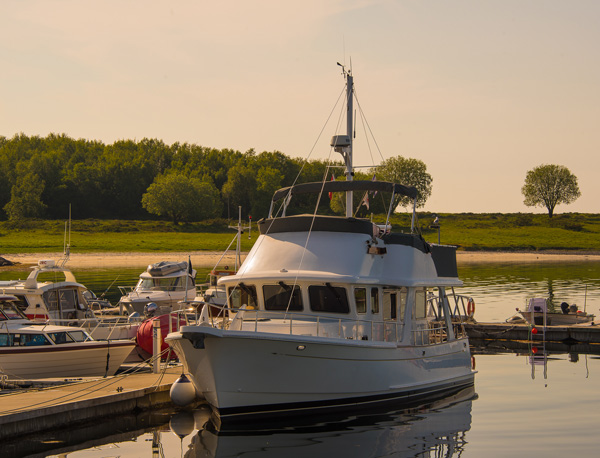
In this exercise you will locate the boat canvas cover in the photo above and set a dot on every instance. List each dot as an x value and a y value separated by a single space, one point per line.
341 186
160 269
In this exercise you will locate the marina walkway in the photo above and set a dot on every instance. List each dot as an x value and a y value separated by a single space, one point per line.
36 409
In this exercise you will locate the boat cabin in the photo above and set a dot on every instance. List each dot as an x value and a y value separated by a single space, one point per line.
50 292
16 330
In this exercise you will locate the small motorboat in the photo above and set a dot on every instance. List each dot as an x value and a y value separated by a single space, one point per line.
538 314
30 350
51 294
167 284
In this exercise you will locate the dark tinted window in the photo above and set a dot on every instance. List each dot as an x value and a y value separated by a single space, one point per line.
277 297
328 299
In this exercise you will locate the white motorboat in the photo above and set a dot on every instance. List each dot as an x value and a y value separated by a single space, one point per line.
332 312
538 313
30 350
167 284
51 294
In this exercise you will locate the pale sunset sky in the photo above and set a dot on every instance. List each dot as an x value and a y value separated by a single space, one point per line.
481 91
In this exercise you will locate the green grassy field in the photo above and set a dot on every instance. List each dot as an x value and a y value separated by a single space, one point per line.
513 232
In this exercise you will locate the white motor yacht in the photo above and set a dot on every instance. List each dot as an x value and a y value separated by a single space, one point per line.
167 284
51 294
30 350
332 312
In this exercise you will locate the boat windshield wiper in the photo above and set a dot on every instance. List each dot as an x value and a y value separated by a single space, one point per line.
335 293
246 289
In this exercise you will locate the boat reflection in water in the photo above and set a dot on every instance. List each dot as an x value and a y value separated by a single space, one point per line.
434 429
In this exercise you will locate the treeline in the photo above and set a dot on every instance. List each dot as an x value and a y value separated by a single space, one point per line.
42 176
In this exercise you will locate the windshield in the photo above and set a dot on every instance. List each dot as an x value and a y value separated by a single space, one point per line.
9 311
161 284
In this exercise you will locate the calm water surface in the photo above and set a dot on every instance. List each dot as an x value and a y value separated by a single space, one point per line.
524 403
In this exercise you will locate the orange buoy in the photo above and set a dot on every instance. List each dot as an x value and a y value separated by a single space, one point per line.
471 307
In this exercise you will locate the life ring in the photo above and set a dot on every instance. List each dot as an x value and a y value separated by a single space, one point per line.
473 362
470 307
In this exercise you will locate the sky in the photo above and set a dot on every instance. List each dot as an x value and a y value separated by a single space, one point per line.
480 90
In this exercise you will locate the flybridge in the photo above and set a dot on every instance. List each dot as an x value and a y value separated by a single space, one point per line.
341 186
344 186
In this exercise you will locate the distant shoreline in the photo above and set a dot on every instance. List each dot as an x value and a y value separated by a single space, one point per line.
209 259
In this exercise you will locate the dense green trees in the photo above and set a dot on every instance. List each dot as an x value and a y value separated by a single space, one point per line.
42 176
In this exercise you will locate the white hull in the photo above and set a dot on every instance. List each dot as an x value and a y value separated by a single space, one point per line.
246 372
88 359
556 319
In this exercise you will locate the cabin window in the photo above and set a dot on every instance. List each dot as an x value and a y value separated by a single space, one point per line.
31 340
282 297
394 304
9 313
389 305
51 300
420 309
160 284
21 302
242 294
360 297
60 337
374 300
4 340
328 299
68 299
403 295
79 336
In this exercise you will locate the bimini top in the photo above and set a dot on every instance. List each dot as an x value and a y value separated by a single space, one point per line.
341 186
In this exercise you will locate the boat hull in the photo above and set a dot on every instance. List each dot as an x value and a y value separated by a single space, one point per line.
241 372
87 359
557 319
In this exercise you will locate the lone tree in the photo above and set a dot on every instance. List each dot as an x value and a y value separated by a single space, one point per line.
409 172
182 199
549 185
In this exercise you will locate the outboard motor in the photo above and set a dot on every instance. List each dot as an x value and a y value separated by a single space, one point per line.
150 309
565 308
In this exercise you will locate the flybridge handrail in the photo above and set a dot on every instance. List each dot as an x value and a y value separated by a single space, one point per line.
341 186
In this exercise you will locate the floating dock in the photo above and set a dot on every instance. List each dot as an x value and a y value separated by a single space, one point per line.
25 411
577 333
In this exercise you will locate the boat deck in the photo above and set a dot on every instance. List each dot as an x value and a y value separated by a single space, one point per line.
25 411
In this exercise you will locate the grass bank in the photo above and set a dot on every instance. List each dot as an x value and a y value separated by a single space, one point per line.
469 231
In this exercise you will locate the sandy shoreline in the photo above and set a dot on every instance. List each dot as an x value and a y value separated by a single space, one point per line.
210 258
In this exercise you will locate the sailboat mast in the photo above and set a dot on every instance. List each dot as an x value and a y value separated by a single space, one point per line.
343 143
349 131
